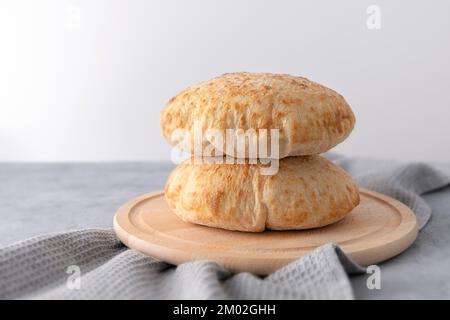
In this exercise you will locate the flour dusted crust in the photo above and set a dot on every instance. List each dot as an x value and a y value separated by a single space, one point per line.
307 192
311 118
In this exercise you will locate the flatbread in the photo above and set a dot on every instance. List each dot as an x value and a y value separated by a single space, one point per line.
309 117
307 192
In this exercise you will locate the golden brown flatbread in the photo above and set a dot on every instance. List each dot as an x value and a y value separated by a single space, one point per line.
311 118
307 192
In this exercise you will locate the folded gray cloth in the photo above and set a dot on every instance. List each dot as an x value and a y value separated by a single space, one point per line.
93 264
404 182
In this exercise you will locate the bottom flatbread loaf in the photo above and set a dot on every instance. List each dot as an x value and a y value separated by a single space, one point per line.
307 192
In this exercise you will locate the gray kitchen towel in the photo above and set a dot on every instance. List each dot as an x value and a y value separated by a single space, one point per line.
404 182
93 264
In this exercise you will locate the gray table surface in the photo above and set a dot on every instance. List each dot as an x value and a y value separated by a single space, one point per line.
39 198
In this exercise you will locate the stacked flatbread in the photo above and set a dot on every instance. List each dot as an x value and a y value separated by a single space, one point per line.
307 190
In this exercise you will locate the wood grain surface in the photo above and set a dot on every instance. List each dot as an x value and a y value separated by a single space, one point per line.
378 229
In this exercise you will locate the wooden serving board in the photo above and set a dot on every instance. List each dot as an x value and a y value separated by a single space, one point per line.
378 229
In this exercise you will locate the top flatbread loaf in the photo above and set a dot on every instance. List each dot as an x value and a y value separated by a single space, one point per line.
311 118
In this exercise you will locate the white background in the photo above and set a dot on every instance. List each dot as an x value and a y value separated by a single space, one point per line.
85 80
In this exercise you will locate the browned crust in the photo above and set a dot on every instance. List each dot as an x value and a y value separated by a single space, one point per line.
311 118
307 192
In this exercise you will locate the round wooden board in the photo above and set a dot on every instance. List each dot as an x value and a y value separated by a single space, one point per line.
378 229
